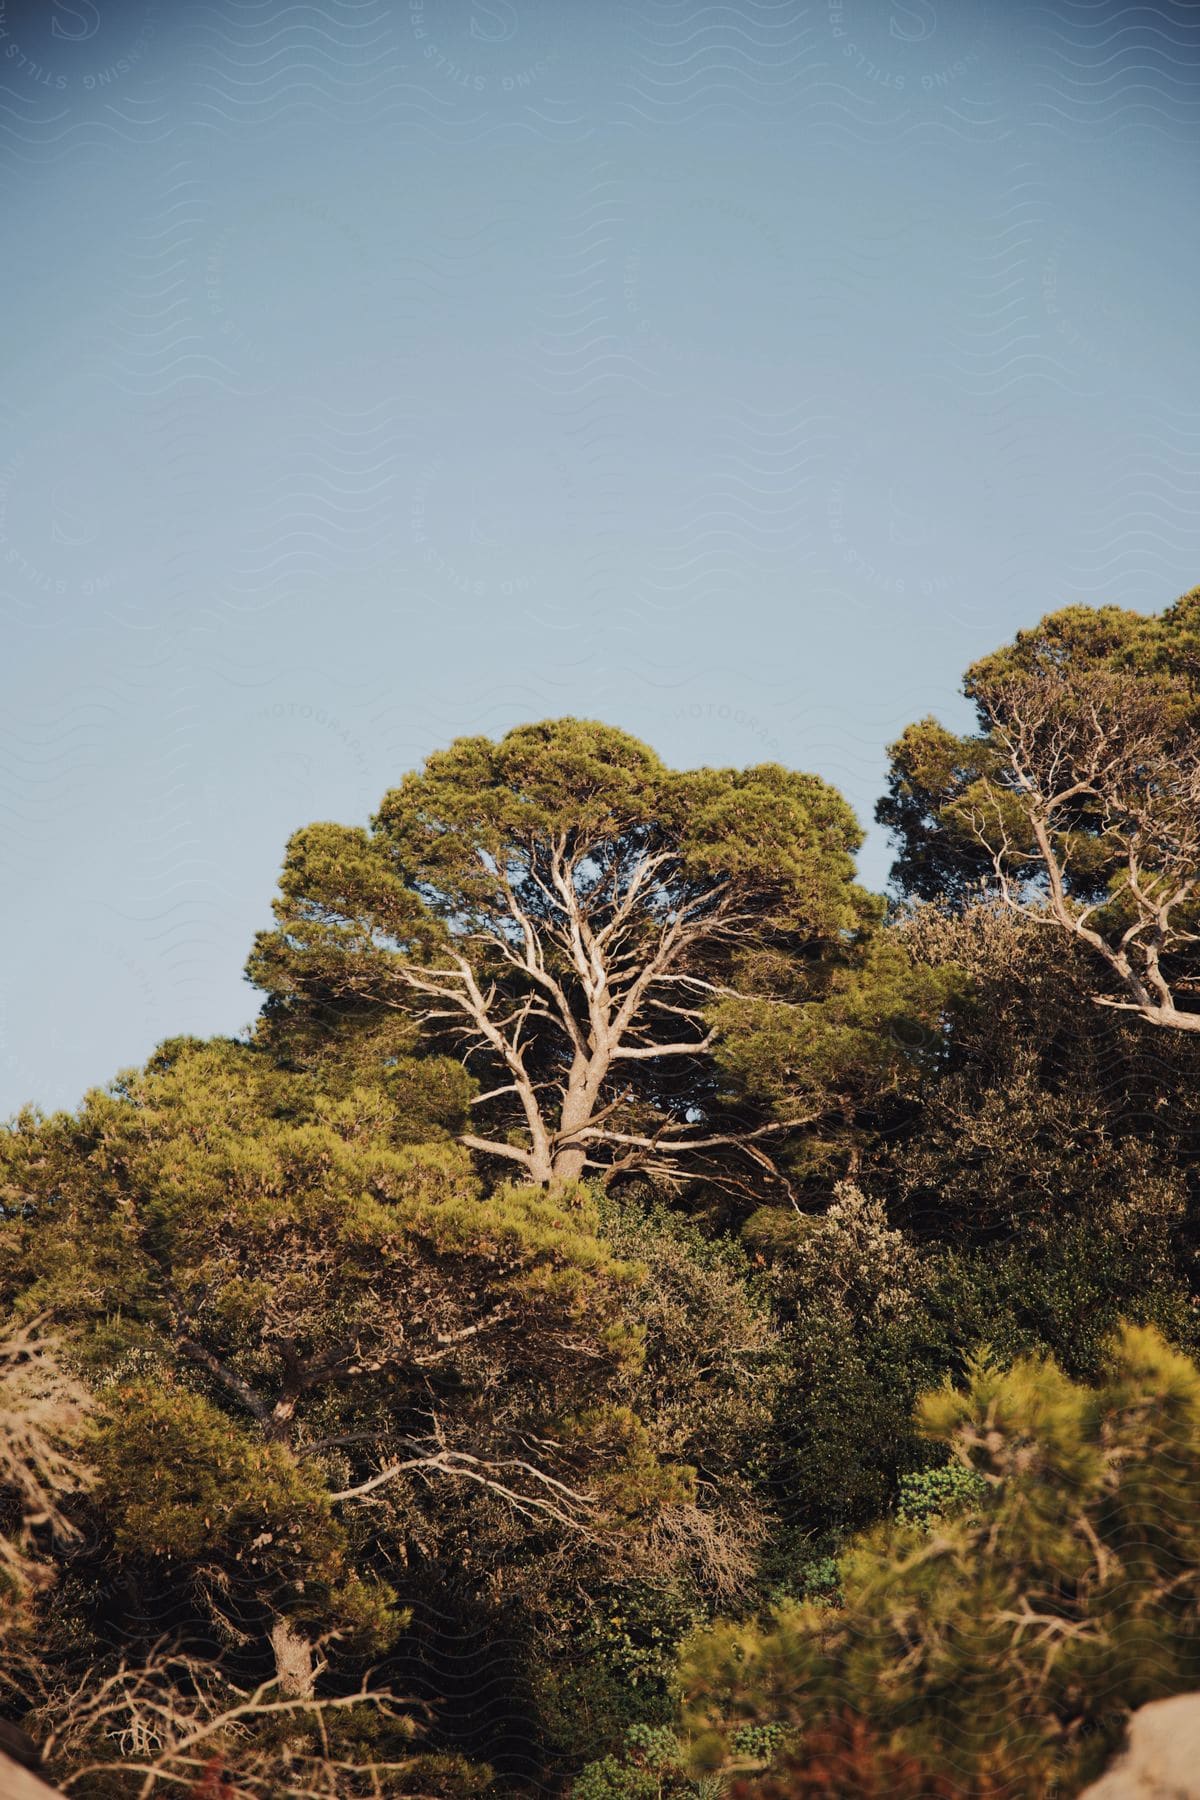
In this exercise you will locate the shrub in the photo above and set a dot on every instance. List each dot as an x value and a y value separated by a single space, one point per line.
1007 1638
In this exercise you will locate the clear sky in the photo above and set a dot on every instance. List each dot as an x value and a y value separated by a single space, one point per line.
381 370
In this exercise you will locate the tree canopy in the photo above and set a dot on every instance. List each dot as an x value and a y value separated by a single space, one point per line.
615 950
639 1315
1077 802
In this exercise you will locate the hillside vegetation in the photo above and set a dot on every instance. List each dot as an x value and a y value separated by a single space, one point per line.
641 1316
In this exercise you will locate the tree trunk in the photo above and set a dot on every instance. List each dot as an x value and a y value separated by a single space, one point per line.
293 1661
568 1166
578 1109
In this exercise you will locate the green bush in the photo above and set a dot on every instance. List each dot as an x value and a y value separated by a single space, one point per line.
650 1768
927 1495
1003 1625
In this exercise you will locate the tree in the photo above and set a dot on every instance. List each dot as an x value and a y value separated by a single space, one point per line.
1043 1119
348 1406
568 916
447 1339
1077 802
604 1661
304 1334
850 1298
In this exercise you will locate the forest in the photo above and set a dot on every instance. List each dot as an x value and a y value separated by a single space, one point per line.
640 1316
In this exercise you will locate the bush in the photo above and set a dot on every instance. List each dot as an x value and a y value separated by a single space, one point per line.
1010 1642
650 1768
928 1495
854 1294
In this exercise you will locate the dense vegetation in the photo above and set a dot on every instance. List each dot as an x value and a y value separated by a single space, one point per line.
641 1315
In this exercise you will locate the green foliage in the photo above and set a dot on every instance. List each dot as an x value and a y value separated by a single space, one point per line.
566 877
650 1768
926 1496
282 1300
647 1420
856 1032
1077 801
180 1481
425 868
1048 1167
932 770
1012 1636
713 1363
705 1389
635 1637
756 1743
819 1578
614 1778
861 1341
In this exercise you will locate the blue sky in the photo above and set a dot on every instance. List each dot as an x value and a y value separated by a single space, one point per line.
389 369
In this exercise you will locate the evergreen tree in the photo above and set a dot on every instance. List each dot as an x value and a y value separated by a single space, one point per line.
1077 802
320 1356
632 962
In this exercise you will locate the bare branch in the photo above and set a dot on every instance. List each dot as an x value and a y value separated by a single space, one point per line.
1104 743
